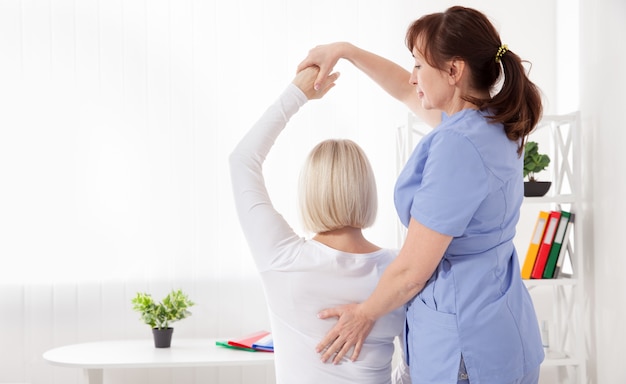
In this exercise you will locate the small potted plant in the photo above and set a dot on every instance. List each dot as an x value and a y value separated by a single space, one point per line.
535 162
158 316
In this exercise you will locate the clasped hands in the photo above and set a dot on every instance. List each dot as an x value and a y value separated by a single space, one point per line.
314 75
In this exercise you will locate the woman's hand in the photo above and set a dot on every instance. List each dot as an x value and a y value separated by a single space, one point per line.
324 57
350 331
305 81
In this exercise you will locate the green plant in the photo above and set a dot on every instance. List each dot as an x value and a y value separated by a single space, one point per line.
533 160
174 307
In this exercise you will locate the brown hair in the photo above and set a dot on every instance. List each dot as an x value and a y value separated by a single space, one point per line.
467 34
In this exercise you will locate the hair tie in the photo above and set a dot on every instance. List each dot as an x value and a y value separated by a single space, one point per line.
501 51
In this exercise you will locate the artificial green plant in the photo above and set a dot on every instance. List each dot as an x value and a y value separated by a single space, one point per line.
174 307
534 161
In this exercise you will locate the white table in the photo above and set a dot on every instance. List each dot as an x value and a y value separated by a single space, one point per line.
94 357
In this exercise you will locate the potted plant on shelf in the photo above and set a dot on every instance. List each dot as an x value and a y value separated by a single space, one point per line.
535 162
158 316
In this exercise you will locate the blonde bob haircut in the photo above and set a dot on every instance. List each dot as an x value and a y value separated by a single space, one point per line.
337 188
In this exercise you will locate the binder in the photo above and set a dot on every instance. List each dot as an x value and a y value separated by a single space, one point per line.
553 257
546 244
533 247
564 246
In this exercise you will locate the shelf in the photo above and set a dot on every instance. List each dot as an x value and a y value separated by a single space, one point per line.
560 199
566 306
549 282
552 361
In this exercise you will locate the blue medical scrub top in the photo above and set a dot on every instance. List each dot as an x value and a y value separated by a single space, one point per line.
464 179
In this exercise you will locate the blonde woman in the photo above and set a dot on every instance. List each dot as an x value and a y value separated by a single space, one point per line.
338 265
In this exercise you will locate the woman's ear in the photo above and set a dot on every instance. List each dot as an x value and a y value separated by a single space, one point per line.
455 71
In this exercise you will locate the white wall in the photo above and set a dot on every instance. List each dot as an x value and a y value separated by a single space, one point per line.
602 102
116 120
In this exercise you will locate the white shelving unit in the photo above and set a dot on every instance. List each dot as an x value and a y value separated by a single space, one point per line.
567 351
567 339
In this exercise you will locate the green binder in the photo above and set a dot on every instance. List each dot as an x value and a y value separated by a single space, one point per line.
548 271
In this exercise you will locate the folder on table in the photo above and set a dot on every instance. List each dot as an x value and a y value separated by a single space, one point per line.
248 340
548 271
546 244
533 247
564 246
265 343
225 344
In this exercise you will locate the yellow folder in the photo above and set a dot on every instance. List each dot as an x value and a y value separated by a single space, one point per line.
533 247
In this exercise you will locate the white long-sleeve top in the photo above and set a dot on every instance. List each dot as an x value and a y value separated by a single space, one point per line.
301 276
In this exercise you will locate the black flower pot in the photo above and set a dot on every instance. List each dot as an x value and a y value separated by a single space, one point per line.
536 188
162 337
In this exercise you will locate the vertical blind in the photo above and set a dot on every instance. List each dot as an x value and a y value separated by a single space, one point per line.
118 117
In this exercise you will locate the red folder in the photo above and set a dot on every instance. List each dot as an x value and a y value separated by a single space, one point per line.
248 340
546 244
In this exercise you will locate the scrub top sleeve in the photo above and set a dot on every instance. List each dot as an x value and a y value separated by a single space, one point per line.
453 186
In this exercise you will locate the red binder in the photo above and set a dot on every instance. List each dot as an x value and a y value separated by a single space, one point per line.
546 244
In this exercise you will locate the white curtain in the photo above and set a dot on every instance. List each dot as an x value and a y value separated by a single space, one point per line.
116 119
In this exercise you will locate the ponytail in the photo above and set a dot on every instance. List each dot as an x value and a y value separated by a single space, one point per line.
518 104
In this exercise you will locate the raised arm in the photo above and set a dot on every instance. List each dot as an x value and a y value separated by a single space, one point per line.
265 229
388 75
